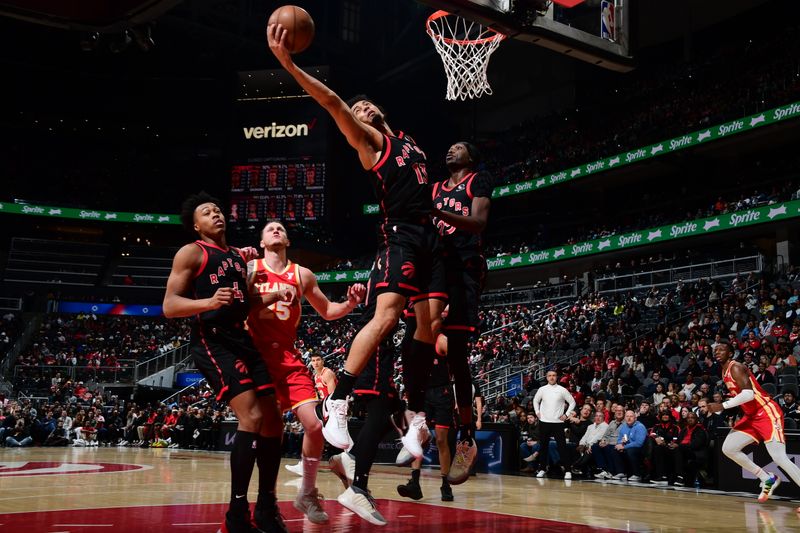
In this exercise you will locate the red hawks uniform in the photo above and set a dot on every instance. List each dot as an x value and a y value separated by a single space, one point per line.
274 331
763 418
319 384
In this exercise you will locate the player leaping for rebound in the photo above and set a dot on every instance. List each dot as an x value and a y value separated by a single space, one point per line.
461 207
406 263
273 327
762 422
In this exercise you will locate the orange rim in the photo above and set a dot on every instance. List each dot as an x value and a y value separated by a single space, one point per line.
441 14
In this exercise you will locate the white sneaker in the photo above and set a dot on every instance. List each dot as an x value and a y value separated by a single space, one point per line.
311 505
567 475
295 469
416 435
335 427
602 475
540 473
404 458
635 479
344 466
619 477
362 504
78 443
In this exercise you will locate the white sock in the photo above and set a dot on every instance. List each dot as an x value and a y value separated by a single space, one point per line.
310 468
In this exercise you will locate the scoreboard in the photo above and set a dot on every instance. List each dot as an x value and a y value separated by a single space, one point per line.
279 168
288 189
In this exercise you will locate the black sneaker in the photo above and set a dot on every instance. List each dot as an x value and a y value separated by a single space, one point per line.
237 523
410 490
447 493
269 520
679 481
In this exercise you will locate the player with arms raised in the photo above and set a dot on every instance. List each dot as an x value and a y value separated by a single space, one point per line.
762 422
406 263
273 327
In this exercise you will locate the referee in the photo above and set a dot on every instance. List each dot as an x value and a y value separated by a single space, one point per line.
550 403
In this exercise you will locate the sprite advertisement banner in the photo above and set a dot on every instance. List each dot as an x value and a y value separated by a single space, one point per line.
693 228
87 214
734 127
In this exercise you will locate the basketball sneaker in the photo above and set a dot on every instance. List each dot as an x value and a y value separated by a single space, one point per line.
295 469
311 505
362 504
417 434
268 519
335 427
237 523
344 466
464 460
768 487
410 490
447 493
404 458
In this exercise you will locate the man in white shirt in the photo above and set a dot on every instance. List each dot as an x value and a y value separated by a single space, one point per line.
552 404
593 434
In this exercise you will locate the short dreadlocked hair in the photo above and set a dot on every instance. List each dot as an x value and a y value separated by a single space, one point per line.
191 204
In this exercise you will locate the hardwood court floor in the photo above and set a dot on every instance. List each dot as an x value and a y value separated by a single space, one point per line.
132 490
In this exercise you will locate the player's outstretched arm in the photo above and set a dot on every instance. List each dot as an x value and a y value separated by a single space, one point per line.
367 141
176 304
327 309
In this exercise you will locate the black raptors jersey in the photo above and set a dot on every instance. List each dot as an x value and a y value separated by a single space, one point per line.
458 200
220 269
400 181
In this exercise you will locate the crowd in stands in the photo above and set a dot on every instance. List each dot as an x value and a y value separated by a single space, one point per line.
96 419
10 329
94 347
658 102
702 208
663 377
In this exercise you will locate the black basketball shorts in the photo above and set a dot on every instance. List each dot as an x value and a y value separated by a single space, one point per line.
229 362
409 261
440 406
465 279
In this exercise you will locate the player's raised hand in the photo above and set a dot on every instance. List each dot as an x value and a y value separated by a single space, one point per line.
223 296
276 37
355 294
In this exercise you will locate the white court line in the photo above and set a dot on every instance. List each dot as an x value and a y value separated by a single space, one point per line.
406 516
293 519
198 524
83 525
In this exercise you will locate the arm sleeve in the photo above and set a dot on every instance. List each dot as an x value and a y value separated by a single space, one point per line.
743 397
570 401
537 402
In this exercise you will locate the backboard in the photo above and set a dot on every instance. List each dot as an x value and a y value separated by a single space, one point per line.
595 31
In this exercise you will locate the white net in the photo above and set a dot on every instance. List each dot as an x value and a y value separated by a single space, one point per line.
465 48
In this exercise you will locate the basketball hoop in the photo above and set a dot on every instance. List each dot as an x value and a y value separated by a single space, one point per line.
465 47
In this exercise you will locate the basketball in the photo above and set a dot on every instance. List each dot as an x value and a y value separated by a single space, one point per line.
299 26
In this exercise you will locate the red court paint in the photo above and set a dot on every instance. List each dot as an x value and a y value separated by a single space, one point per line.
403 517
59 468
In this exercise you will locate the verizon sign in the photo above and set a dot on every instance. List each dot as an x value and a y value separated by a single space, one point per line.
276 131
